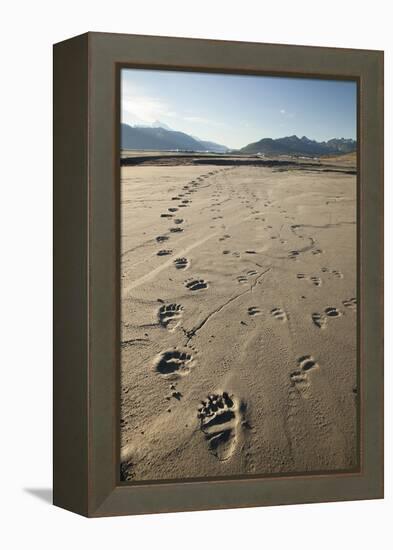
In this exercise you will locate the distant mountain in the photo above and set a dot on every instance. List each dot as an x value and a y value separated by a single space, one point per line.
158 138
155 124
213 147
294 145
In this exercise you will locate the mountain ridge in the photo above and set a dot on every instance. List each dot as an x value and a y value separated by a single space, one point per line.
158 138
300 146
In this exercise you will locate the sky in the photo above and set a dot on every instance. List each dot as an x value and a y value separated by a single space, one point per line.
235 110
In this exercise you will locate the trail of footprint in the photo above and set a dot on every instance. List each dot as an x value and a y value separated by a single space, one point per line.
162 238
317 426
332 312
350 303
174 363
300 378
176 229
253 310
220 418
178 221
181 263
196 284
279 314
319 320
316 281
127 470
165 252
175 393
169 315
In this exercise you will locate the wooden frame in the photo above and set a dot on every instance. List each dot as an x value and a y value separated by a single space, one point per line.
86 289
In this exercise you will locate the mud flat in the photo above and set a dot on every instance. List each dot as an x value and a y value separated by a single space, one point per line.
238 321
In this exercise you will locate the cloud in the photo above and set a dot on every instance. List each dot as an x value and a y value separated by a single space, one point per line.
139 108
144 109
286 114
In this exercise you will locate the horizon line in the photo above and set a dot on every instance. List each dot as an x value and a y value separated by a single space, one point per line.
147 126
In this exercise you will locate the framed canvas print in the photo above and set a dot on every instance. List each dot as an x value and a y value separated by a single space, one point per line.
218 264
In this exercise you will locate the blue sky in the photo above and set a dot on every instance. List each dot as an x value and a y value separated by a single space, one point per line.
236 110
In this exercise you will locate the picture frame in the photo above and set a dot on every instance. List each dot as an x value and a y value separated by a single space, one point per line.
87 272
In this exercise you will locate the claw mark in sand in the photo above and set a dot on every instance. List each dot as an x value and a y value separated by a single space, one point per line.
253 310
165 252
318 320
350 303
279 314
337 274
332 312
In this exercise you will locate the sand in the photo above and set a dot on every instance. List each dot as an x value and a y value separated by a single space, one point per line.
238 321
